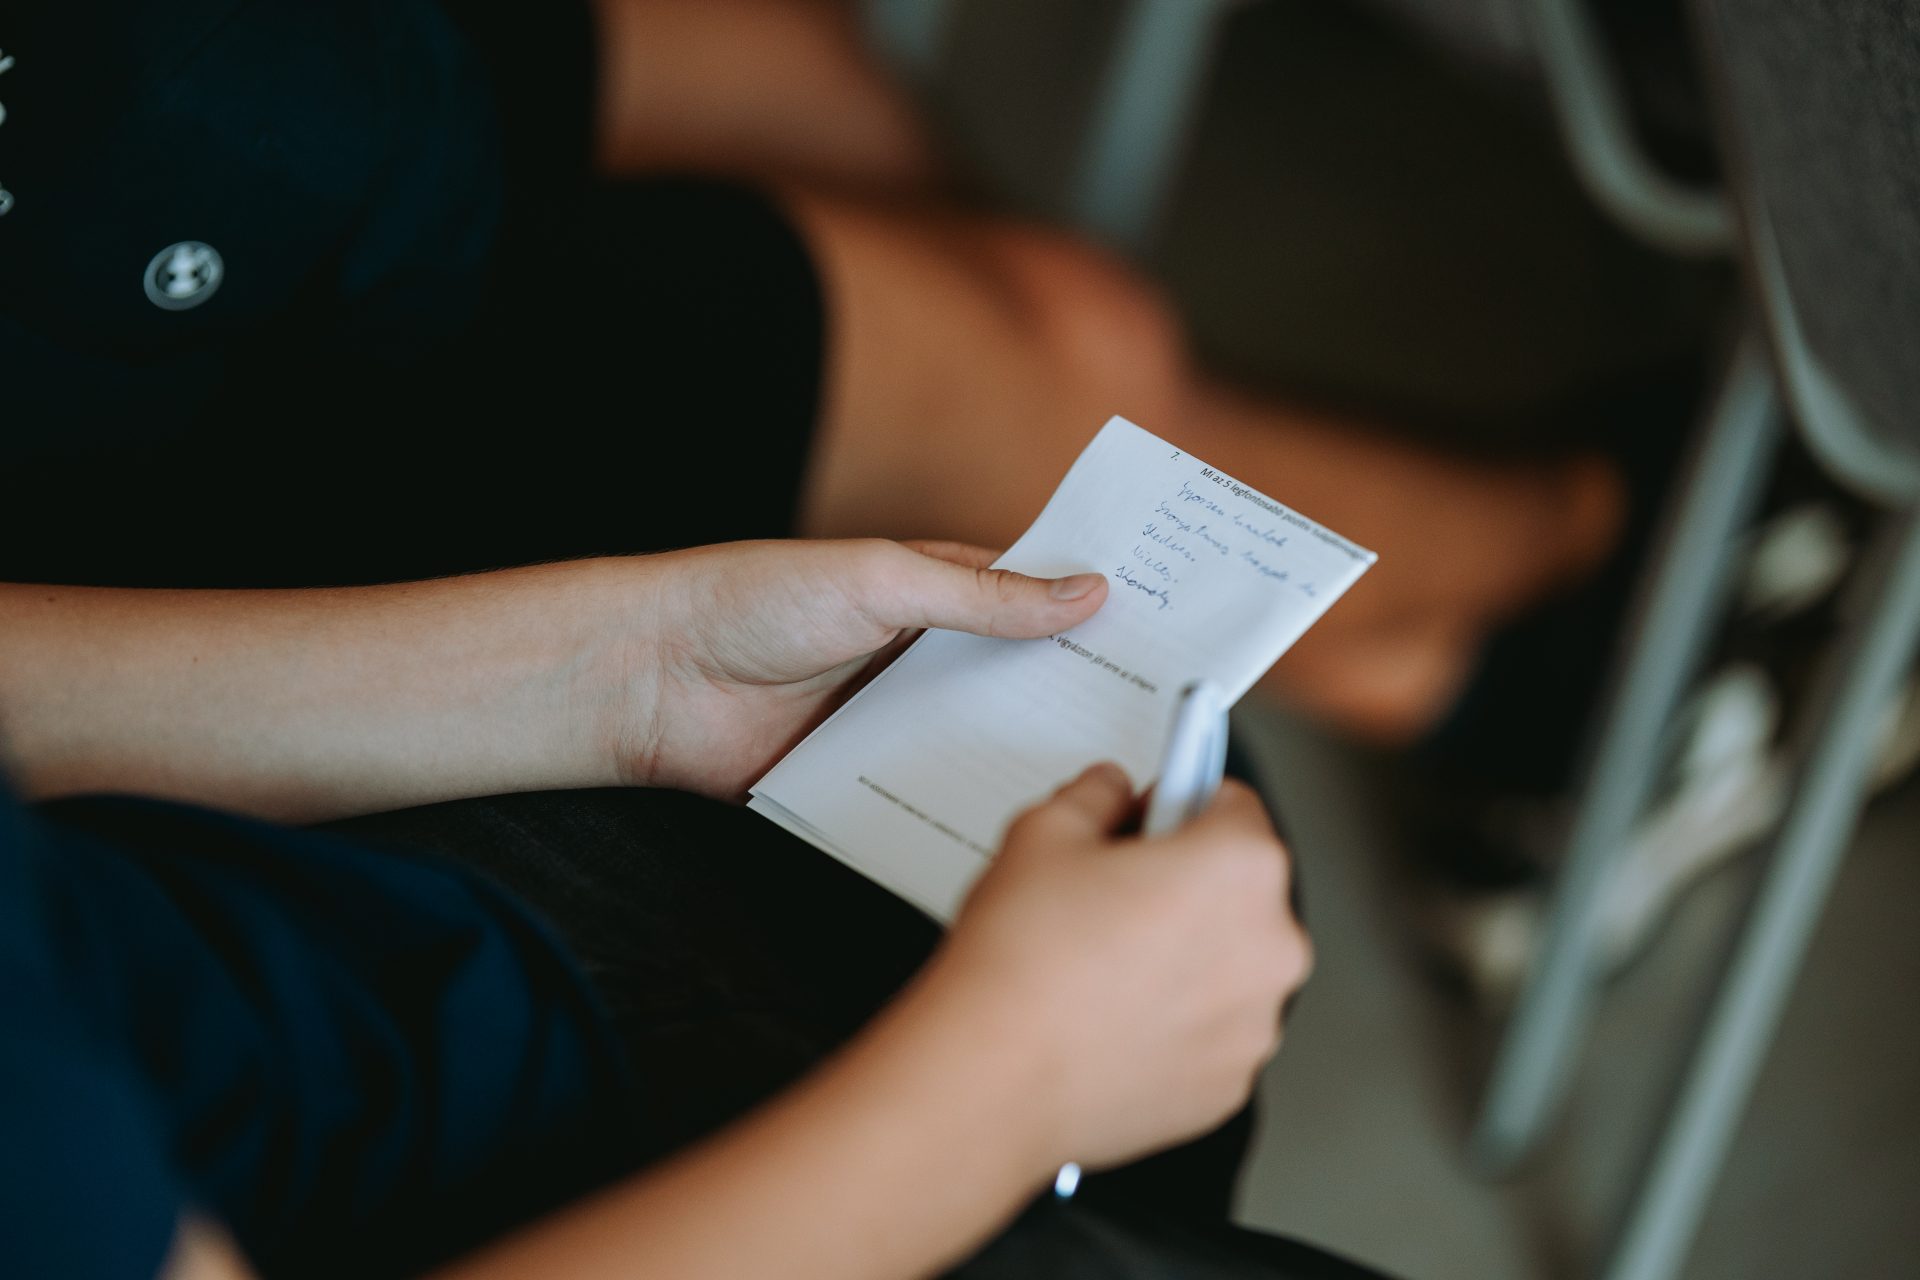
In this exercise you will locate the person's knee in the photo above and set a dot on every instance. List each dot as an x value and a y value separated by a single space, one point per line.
1099 325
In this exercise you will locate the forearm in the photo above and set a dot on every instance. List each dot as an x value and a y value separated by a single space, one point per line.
303 705
895 1159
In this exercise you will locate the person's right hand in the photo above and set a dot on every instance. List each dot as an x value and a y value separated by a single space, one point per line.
1145 975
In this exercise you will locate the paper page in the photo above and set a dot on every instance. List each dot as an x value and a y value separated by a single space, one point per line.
914 781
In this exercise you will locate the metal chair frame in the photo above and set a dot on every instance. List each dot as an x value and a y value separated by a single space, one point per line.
1859 678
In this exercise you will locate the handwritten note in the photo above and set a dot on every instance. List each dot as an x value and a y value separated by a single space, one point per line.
914 781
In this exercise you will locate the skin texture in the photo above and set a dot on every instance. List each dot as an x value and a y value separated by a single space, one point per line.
740 666
695 669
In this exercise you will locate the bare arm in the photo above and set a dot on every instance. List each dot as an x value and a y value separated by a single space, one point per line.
303 705
922 1138
696 670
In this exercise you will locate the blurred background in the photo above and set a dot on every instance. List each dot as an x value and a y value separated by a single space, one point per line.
1581 1008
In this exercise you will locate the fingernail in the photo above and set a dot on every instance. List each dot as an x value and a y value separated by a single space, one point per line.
1075 587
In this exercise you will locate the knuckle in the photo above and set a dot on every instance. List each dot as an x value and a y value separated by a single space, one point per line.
1107 777
877 562
1267 1037
1259 1038
993 587
1236 790
1295 962
999 585
1237 794
1269 861
1047 820
1246 806
1248 869
1030 823
878 583
941 549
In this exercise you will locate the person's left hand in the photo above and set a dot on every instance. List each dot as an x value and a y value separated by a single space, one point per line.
750 645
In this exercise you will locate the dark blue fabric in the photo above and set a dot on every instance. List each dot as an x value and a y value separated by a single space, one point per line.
84 1175
341 157
437 345
360 1062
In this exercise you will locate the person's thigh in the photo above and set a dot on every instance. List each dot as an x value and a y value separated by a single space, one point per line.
729 956
970 359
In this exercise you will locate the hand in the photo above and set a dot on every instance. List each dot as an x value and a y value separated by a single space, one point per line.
1146 975
750 645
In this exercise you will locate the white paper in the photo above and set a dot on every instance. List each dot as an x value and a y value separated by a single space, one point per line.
914 781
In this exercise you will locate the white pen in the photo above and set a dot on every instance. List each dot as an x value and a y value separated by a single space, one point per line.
1190 772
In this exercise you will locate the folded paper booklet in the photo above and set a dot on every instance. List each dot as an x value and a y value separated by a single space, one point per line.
914 781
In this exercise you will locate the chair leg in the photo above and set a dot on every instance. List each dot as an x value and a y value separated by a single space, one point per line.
1678 605
1146 103
1860 681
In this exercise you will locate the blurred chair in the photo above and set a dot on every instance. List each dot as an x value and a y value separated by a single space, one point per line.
1819 120
1682 596
1145 111
1596 127
1157 68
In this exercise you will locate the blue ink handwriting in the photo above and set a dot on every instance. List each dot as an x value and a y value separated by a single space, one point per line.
1125 575
1152 533
1153 565
1189 494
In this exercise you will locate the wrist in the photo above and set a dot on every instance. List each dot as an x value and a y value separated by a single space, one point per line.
1000 1048
613 662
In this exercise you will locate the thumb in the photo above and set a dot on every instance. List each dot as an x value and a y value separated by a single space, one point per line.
1090 806
1097 801
927 589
